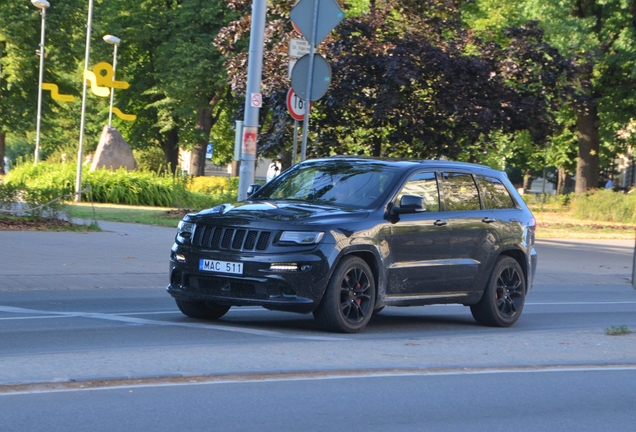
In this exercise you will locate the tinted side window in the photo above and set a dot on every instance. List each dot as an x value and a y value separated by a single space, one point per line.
424 185
460 192
496 196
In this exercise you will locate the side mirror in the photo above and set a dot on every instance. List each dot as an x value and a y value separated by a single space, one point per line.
251 190
409 204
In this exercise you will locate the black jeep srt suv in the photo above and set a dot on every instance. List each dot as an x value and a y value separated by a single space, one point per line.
343 237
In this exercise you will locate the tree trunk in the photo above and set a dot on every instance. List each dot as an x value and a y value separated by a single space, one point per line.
286 159
562 181
527 182
377 147
3 137
205 121
589 143
204 124
170 147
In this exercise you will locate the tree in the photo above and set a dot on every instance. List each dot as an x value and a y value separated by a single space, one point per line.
409 80
600 36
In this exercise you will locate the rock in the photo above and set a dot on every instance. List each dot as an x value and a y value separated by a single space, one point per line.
113 152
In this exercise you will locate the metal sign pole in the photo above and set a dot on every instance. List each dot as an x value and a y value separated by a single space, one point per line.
252 98
295 146
312 53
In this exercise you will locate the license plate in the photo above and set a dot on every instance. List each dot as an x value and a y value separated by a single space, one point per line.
221 266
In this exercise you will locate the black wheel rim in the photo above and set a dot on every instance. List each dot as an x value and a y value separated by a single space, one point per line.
509 292
355 297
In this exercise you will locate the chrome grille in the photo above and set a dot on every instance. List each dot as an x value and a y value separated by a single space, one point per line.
220 238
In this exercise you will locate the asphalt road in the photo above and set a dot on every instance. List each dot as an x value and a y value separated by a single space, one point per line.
545 400
84 319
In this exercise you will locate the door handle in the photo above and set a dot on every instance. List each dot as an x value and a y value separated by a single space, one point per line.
440 222
488 220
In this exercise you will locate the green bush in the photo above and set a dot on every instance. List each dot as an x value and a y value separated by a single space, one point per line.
35 201
219 188
123 187
605 205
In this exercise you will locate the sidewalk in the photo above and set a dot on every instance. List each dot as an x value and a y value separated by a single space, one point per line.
121 256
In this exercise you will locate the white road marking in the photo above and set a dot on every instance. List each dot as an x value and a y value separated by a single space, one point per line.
142 321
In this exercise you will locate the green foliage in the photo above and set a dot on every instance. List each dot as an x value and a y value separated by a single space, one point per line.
605 205
218 189
617 330
34 201
143 188
151 159
597 205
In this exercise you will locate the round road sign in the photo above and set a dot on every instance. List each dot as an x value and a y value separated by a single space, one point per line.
295 105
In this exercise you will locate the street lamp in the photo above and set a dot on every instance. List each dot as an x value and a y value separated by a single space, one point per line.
113 40
80 150
42 5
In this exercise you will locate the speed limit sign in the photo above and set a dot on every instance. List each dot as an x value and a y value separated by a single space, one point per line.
295 105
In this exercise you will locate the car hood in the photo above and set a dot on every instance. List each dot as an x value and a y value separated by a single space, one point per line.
278 211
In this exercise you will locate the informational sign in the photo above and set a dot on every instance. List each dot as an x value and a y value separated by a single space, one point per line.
250 133
295 105
298 47
256 100
209 150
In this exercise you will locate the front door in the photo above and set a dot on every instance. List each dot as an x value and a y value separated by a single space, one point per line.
419 243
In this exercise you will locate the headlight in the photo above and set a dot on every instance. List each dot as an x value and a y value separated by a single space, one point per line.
185 230
301 237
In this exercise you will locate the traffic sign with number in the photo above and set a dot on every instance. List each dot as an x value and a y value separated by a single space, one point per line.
295 105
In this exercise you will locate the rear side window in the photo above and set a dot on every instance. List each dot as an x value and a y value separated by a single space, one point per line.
495 194
423 184
460 192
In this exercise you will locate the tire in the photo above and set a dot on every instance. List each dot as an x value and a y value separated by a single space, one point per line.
347 304
378 310
202 310
504 296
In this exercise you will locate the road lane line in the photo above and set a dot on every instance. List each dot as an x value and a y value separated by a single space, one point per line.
143 321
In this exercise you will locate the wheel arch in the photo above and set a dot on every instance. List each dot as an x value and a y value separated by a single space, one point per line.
372 261
518 256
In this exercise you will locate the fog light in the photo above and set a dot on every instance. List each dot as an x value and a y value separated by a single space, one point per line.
284 267
180 258
305 267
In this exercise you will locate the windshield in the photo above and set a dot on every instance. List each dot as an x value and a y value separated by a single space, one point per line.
339 182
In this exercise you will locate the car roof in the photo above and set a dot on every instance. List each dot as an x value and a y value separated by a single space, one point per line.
428 163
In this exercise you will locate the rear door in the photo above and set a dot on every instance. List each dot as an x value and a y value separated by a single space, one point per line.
474 231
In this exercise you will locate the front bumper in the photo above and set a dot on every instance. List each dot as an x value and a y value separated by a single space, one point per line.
260 285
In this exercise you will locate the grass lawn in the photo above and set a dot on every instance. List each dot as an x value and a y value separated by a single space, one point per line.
563 225
161 216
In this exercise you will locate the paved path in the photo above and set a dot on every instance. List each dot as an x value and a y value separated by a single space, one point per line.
121 256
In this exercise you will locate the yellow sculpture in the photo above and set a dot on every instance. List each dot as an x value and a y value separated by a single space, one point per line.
55 93
97 90
107 79
100 85
121 115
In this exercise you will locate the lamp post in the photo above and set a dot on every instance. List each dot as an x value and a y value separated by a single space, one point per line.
80 151
42 5
113 40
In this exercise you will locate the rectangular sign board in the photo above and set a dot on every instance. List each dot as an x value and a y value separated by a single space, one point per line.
298 48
